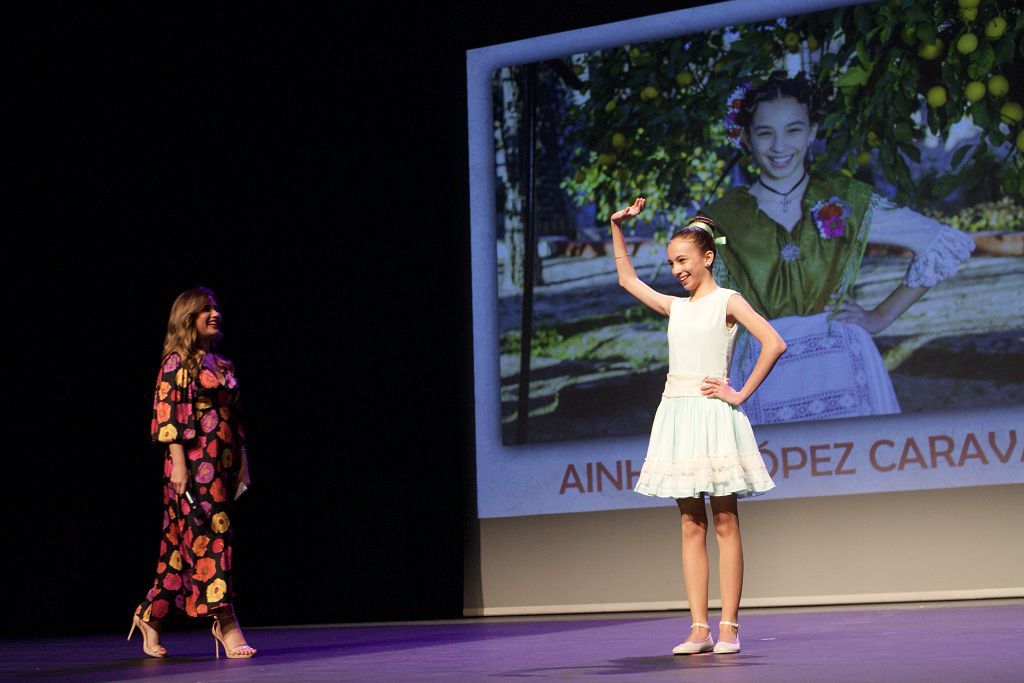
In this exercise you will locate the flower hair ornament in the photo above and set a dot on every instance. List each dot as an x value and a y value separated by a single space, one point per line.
705 226
733 106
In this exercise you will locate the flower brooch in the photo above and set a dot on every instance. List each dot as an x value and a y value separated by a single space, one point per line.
830 217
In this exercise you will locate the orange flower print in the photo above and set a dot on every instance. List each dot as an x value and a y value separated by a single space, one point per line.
205 569
220 522
199 545
203 403
195 453
161 567
217 491
208 379
190 603
225 413
175 560
172 582
215 591
218 545
224 432
168 433
163 390
181 377
163 412
201 609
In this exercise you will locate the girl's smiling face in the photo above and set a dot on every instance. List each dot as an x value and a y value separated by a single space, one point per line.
779 136
689 265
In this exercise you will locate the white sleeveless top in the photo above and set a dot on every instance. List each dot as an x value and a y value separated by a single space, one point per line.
699 342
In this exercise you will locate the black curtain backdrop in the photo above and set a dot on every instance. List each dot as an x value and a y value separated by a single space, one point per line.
310 166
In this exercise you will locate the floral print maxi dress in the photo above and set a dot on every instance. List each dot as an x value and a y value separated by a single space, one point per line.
204 416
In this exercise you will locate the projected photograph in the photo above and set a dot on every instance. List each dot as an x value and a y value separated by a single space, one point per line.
866 165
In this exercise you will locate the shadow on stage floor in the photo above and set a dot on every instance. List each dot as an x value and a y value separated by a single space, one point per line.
957 641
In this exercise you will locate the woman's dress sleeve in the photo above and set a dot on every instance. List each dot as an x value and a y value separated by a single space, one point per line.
938 249
173 414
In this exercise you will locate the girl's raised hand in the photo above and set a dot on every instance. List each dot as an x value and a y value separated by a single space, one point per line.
634 209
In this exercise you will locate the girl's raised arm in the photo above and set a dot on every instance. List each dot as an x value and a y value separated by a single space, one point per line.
662 303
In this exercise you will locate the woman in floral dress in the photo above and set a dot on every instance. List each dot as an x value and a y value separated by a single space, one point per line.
795 244
197 413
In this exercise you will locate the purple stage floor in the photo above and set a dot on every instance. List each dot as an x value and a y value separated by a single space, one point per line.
975 641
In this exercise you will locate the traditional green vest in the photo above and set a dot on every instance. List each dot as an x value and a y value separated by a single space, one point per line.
792 273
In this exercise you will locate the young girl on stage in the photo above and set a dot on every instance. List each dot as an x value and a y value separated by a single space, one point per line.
701 443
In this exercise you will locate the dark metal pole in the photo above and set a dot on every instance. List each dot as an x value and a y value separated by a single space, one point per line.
530 246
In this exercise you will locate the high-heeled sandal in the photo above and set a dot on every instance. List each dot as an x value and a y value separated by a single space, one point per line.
233 653
725 648
694 648
153 650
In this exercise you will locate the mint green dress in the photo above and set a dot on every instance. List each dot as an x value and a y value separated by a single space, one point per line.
700 446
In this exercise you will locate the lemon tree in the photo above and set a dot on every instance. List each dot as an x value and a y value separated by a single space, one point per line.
650 117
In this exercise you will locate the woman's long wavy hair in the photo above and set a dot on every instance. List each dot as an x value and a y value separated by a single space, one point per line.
181 328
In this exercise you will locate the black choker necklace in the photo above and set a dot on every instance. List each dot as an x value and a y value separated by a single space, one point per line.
784 195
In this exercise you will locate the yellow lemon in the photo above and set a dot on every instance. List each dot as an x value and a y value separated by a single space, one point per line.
1012 112
648 93
975 91
936 96
606 158
684 78
812 43
610 107
864 158
873 139
998 86
618 141
791 39
930 51
969 14
995 28
967 43
968 4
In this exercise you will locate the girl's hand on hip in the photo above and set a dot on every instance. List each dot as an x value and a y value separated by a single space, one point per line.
716 387
851 313
179 477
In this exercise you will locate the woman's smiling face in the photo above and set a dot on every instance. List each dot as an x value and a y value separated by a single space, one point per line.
779 136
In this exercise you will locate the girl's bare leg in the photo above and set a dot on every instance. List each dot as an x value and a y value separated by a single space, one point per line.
730 561
695 561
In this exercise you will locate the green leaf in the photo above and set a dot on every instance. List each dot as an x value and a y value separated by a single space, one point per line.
926 32
981 61
945 185
979 112
828 62
887 32
862 54
959 155
855 75
916 15
912 151
902 132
